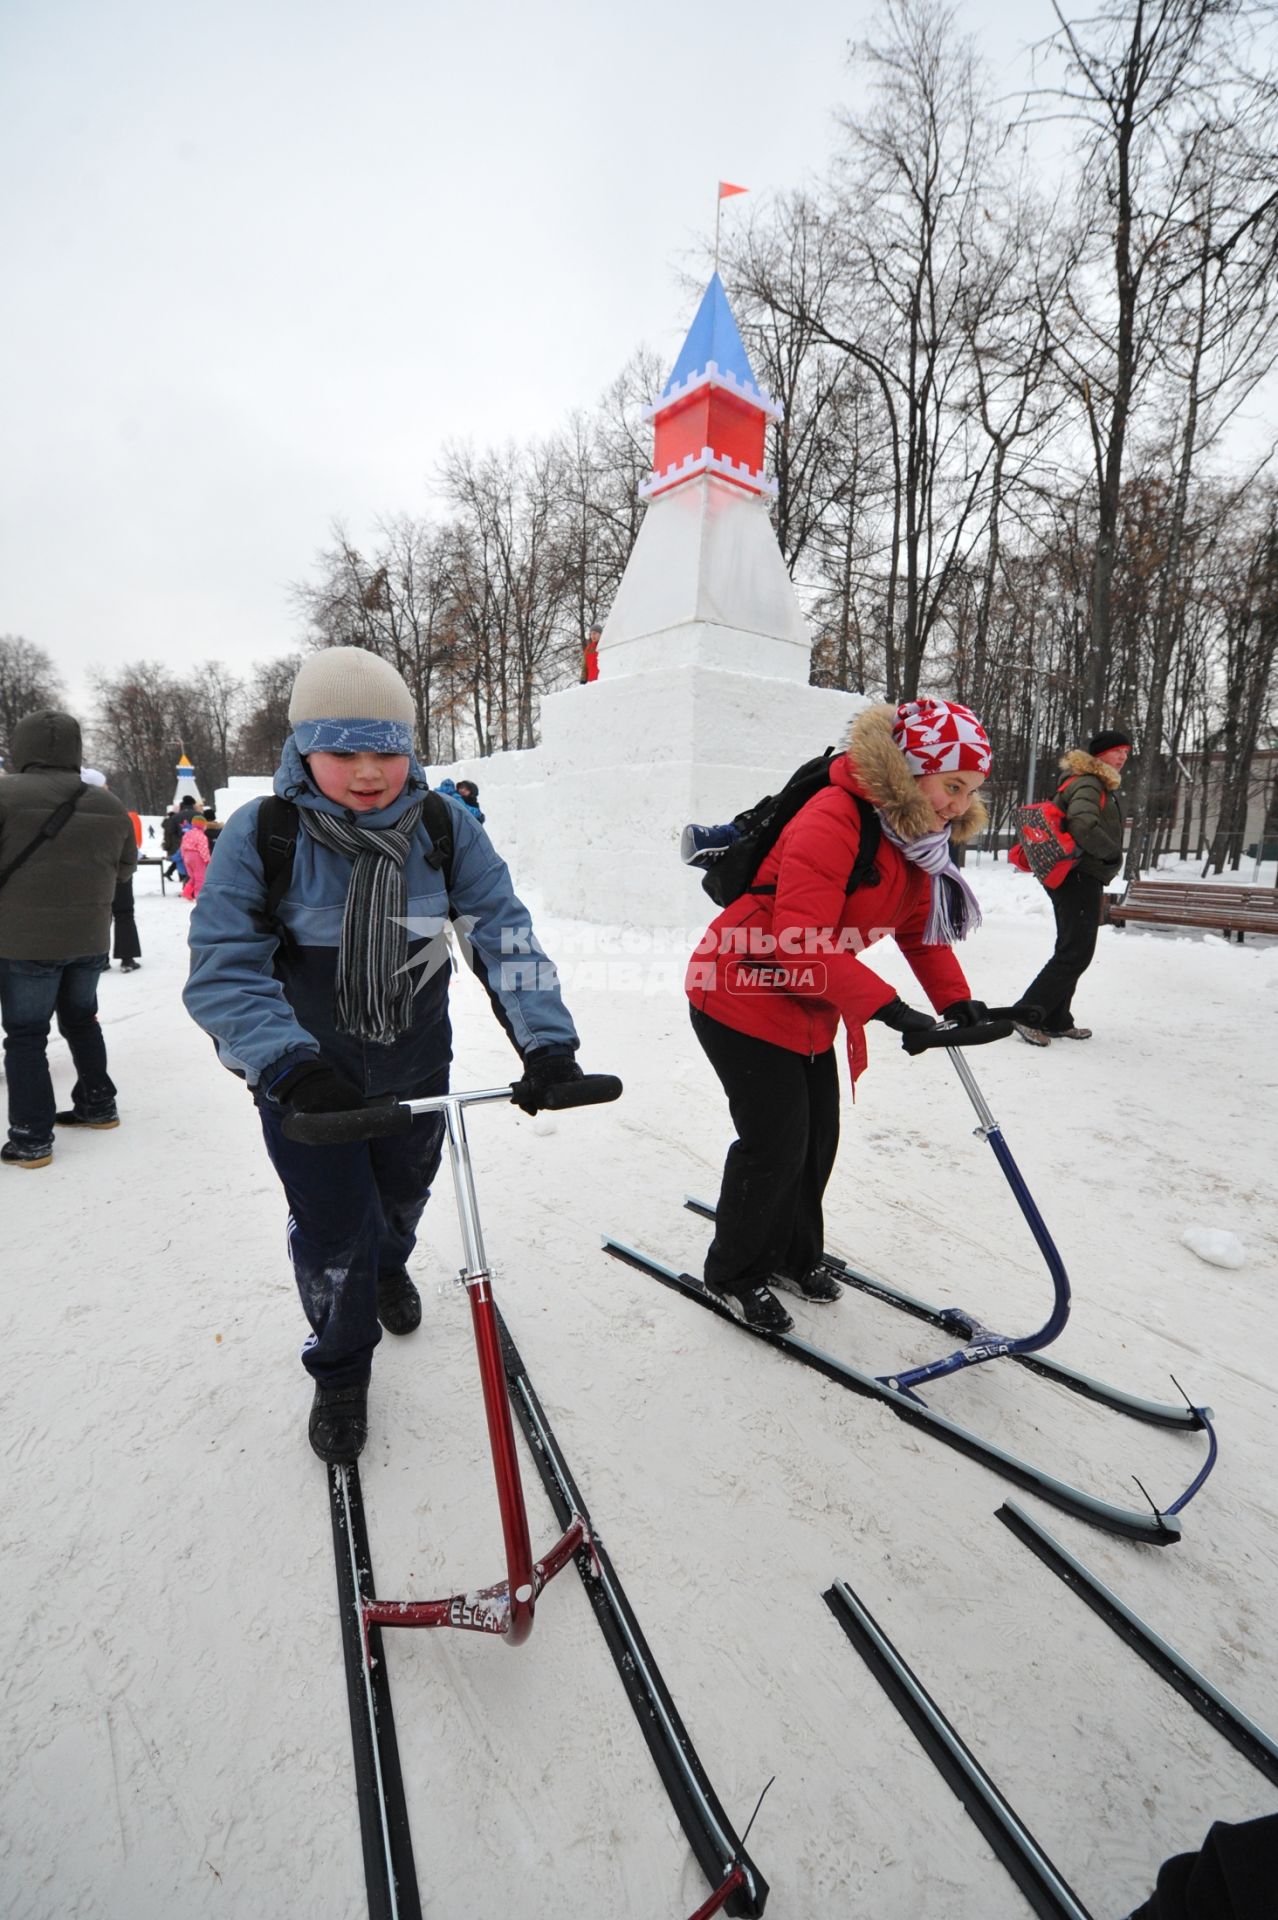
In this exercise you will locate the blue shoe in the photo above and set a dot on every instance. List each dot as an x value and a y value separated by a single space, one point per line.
702 846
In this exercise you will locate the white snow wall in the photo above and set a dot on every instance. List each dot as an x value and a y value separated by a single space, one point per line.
702 704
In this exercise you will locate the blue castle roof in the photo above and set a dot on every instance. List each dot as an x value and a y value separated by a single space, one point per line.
712 336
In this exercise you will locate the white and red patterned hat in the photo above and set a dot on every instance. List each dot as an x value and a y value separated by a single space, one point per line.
939 736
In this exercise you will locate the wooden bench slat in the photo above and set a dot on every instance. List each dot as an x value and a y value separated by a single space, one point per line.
1219 909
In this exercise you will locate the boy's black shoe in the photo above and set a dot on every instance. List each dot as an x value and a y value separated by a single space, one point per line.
757 1306
27 1153
816 1284
99 1118
399 1305
339 1423
129 966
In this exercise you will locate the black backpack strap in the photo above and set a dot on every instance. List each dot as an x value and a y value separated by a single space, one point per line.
51 828
438 824
864 872
276 835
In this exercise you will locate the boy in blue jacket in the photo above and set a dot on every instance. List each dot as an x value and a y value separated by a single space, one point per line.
343 996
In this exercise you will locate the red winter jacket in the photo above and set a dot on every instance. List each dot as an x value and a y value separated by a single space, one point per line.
783 967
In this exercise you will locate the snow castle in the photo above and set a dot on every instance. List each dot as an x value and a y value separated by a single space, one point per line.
702 701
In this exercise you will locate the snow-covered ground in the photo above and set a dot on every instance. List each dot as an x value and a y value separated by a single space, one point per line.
177 1735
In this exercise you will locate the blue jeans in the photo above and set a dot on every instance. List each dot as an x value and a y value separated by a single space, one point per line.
353 1213
32 992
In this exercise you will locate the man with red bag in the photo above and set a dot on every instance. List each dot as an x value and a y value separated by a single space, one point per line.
1088 797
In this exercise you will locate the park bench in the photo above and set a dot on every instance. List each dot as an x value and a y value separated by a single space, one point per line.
1220 909
160 860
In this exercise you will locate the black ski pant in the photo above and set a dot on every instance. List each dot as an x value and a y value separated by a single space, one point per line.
1233 1877
127 944
353 1214
785 1108
1076 904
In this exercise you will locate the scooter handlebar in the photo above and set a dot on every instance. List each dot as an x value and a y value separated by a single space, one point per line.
952 1036
376 1121
381 1118
592 1090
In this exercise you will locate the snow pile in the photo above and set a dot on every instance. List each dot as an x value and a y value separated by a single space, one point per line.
174 1690
1216 1245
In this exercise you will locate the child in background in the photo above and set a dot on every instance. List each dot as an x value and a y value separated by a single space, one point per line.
195 853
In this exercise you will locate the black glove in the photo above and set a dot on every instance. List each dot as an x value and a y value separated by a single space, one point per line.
315 1088
904 1019
967 1013
543 1070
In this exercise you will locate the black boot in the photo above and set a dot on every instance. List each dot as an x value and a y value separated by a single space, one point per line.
757 1306
100 1118
399 1305
816 1284
339 1423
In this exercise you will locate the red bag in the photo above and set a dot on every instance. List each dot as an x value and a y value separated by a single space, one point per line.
1046 847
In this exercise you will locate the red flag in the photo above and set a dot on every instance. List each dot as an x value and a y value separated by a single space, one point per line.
726 189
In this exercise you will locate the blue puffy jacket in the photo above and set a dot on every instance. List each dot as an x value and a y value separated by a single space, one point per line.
269 1004
449 790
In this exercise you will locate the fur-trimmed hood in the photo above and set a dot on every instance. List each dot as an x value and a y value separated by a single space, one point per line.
1076 762
884 777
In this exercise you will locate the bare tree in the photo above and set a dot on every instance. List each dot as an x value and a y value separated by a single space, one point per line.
896 284
266 725
1137 84
137 733
28 681
1250 651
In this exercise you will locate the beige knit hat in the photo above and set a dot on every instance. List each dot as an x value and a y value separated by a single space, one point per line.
348 700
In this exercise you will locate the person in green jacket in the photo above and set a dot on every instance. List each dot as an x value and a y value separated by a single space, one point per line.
55 928
1093 811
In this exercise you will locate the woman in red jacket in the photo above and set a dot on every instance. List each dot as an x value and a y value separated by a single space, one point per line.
779 968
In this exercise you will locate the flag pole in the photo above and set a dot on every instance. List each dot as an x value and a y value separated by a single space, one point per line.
718 216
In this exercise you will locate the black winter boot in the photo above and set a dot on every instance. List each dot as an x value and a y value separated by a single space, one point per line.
99 1118
757 1306
399 1305
27 1153
816 1284
339 1423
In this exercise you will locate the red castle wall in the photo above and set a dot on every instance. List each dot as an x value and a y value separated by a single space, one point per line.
712 418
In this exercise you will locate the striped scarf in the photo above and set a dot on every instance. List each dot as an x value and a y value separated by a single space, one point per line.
953 912
374 987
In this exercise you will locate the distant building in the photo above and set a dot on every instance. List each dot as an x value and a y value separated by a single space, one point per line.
1198 802
186 788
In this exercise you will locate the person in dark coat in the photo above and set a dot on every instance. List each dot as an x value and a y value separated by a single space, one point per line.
781 967
176 822
126 947
1089 798
55 927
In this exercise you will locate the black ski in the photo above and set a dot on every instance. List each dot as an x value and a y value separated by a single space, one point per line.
1154 1527
953 1320
1048 1893
389 1873
1250 1740
719 1852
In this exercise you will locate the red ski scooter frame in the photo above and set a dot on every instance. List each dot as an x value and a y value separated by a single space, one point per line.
507 1608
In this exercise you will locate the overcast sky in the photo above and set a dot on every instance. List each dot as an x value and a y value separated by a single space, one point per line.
261 261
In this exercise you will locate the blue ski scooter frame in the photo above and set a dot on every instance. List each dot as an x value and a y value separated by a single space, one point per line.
1160 1526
